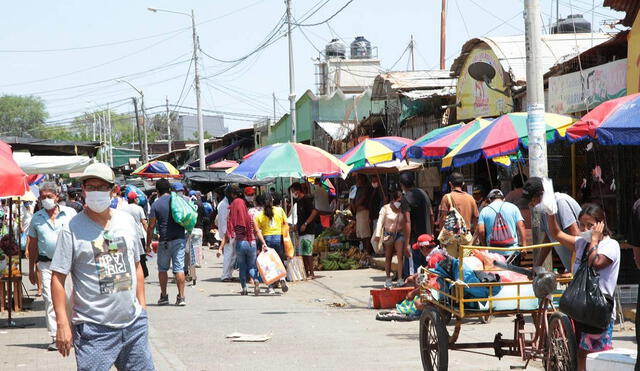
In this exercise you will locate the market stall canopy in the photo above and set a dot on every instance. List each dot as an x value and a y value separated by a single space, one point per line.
157 169
440 146
414 150
295 160
46 147
221 177
373 151
13 181
390 167
221 153
224 164
51 164
616 121
503 136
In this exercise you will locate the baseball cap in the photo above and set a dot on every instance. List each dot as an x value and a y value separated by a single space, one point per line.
249 191
192 193
423 240
532 188
98 171
495 193
132 195
177 186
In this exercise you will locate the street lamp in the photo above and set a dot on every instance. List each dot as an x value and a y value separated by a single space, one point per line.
104 132
145 146
201 154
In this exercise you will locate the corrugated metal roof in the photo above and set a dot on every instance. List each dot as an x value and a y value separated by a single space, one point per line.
390 82
631 7
337 130
511 51
428 93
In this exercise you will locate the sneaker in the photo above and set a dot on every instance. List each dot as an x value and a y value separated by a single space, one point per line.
180 301
271 291
244 292
164 299
256 288
398 283
284 286
388 283
52 347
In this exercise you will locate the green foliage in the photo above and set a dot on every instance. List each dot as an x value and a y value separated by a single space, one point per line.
21 115
206 135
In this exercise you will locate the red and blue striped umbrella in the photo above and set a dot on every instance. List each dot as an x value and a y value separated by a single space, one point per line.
415 149
616 121
157 169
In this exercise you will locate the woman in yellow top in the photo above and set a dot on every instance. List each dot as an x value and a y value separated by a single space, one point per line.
268 226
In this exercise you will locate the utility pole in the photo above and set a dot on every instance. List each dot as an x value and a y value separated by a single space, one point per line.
168 125
412 45
110 154
144 128
100 138
292 84
140 145
535 108
274 107
201 154
443 37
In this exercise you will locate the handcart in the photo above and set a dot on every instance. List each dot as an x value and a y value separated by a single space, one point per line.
553 341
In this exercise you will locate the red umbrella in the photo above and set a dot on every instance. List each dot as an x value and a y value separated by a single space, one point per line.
13 181
224 164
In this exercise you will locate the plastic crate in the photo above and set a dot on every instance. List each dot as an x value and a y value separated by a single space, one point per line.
628 294
388 298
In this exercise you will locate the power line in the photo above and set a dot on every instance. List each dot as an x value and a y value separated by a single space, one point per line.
328 19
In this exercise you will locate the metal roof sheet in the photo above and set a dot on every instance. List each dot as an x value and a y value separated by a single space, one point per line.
428 93
511 51
411 80
337 130
631 7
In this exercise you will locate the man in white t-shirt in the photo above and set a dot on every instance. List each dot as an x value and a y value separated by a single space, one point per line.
228 250
138 214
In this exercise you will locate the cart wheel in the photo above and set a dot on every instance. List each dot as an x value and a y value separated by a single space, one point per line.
561 343
434 341
486 319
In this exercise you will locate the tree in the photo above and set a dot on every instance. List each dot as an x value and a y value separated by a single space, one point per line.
21 115
158 124
206 135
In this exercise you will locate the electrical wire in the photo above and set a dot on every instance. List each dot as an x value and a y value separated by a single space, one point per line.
495 16
464 23
328 19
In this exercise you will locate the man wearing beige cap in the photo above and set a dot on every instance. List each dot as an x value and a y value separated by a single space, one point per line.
100 248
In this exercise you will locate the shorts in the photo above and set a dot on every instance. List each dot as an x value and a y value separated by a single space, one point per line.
171 252
597 342
99 347
363 224
306 245
398 236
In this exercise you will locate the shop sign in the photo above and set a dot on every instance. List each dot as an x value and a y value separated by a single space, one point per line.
633 55
583 90
473 97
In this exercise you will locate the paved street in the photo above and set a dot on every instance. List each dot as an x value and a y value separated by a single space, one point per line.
308 326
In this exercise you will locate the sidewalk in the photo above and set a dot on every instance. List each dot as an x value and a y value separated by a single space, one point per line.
309 328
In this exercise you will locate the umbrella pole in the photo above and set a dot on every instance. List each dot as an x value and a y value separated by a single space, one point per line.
489 171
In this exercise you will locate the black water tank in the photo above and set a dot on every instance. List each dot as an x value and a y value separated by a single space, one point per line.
574 23
360 48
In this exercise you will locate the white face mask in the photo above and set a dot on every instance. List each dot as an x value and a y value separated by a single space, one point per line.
397 204
586 235
98 201
48 203
375 185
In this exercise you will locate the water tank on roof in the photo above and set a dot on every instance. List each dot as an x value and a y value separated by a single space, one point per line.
335 49
573 23
360 48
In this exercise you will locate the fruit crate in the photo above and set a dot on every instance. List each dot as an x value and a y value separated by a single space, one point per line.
388 298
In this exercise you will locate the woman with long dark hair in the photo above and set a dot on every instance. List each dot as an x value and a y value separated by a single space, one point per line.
603 254
268 226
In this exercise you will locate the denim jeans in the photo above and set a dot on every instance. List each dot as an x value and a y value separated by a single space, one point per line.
275 242
246 258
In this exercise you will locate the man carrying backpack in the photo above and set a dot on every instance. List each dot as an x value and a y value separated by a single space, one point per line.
171 246
456 204
501 224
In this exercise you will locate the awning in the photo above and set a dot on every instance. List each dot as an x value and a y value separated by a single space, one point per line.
222 177
51 164
337 130
428 93
221 153
45 147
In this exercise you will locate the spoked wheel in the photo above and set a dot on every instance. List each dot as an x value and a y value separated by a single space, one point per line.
561 344
434 341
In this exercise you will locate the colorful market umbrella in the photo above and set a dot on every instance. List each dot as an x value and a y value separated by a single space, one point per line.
373 151
414 150
616 121
157 169
439 147
224 164
13 181
295 160
504 136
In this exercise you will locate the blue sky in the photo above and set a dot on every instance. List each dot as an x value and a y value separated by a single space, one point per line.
73 81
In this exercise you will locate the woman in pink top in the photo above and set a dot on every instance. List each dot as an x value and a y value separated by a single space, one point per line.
391 223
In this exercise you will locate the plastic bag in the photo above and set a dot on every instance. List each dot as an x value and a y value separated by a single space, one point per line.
183 212
488 258
289 250
142 198
584 292
270 266
548 202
